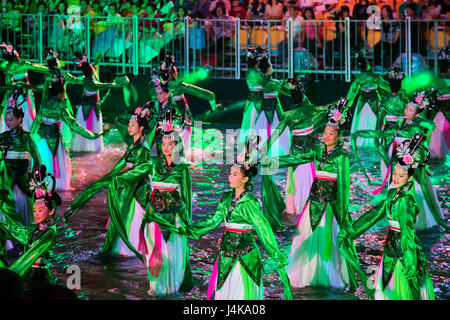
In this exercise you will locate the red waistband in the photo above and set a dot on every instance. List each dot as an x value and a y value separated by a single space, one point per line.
237 230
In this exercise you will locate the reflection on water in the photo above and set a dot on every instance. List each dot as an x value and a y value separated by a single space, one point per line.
81 238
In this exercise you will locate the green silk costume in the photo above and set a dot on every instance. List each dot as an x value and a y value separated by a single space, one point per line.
20 144
402 248
51 111
271 105
255 80
20 147
392 105
305 115
369 88
326 194
123 188
164 207
372 87
179 88
418 125
240 246
38 240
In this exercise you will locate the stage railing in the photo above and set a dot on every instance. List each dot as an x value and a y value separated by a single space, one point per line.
323 49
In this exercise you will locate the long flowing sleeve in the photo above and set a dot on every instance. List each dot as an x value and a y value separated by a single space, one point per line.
116 208
37 249
279 129
200 228
367 220
275 85
93 188
15 231
267 238
274 163
407 213
375 134
197 91
32 149
353 91
73 124
343 190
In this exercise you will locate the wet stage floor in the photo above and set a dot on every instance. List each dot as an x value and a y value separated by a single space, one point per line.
81 238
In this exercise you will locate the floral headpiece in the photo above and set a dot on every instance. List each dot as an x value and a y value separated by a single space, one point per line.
12 101
396 74
40 186
411 153
170 130
425 99
144 112
8 51
247 157
338 114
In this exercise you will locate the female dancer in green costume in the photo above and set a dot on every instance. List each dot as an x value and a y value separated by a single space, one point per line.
315 259
46 129
16 73
402 272
89 114
126 194
303 121
238 269
20 149
367 90
412 124
38 238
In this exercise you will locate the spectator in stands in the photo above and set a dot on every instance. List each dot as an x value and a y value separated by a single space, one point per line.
95 8
338 43
84 8
256 9
237 10
274 10
187 5
402 9
10 23
292 12
201 8
220 31
387 50
214 3
360 10
417 30
310 36
431 9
